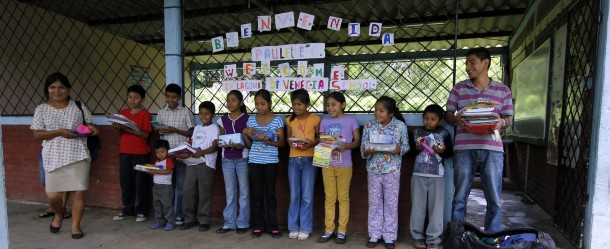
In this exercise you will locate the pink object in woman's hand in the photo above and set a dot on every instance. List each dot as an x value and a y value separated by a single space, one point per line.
83 130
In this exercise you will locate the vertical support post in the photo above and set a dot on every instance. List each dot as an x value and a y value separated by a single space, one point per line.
449 184
597 211
174 61
3 211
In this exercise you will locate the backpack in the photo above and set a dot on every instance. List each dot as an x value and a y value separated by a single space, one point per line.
462 234
94 144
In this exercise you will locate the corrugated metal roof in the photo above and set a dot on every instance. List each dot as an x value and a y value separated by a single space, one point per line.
417 25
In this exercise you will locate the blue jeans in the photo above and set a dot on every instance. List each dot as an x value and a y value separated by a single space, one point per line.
465 164
301 177
178 183
235 172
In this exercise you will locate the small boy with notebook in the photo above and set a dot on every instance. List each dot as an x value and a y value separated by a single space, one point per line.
178 123
163 193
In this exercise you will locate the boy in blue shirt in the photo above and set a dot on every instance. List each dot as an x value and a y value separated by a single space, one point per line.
427 183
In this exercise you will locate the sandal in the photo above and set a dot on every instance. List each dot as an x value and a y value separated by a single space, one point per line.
67 215
46 214
256 233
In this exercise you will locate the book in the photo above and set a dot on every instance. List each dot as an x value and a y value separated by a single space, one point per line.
269 134
297 142
148 167
157 126
182 149
380 147
235 138
381 139
480 117
326 151
122 120
322 154
380 142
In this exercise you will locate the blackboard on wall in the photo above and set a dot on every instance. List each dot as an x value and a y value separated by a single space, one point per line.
530 90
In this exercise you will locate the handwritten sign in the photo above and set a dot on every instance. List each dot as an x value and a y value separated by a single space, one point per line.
264 23
334 23
354 85
230 71
289 52
246 30
337 73
249 69
318 70
305 21
353 29
285 69
290 84
242 85
284 20
375 29
218 44
232 39
387 39
302 68
266 67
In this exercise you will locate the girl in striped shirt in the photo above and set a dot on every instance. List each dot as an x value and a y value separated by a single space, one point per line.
264 134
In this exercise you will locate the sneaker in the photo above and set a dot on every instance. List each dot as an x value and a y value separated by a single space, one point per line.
419 243
120 216
326 237
241 230
157 225
434 246
303 236
372 243
141 217
169 227
341 238
179 220
389 244
293 235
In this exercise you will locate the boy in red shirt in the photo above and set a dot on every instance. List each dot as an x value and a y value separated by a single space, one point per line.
134 149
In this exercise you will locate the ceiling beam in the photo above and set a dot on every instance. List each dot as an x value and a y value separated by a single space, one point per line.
204 12
376 42
397 22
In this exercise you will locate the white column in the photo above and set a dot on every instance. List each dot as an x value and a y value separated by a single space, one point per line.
3 213
174 62
597 214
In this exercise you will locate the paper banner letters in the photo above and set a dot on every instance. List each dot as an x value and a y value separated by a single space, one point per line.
305 21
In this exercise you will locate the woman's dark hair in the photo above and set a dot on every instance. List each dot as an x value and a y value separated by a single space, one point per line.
208 105
55 77
390 105
137 89
338 96
436 109
303 96
161 144
265 94
240 97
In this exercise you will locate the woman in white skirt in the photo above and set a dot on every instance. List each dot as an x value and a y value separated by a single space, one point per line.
65 156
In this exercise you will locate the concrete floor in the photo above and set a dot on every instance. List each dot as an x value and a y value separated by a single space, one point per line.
26 230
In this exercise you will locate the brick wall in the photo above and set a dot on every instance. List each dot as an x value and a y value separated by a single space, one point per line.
23 182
